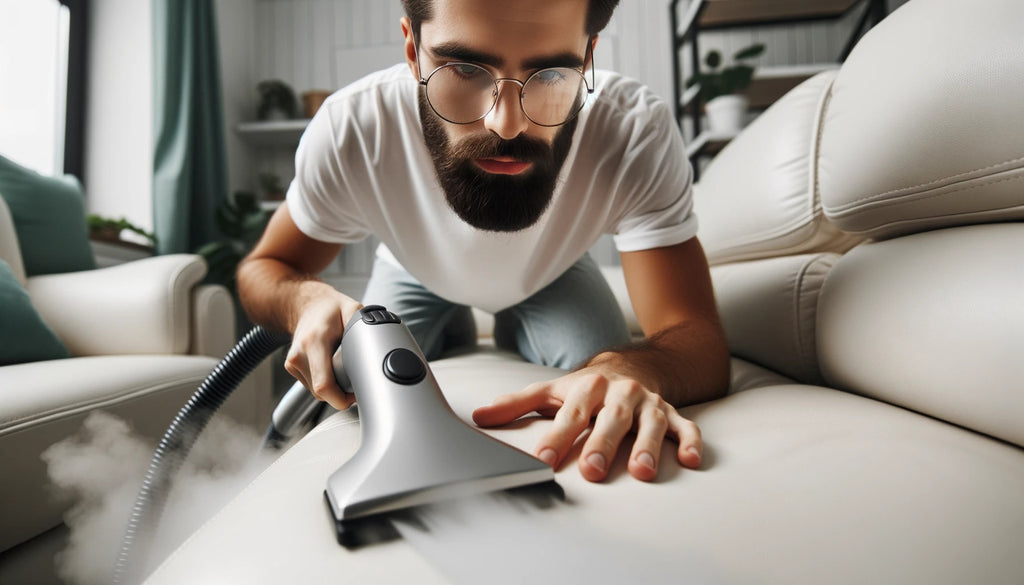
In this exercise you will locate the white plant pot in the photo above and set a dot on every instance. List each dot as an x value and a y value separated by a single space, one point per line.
726 114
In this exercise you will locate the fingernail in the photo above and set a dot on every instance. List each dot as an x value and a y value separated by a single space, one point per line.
695 451
548 456
597 461
645 459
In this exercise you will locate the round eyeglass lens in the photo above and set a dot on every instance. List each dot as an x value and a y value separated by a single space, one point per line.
552 96
461 92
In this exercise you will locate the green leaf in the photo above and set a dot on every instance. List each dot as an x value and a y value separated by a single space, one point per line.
749 52
736 78
713 59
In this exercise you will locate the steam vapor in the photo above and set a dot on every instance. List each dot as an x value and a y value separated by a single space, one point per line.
100 469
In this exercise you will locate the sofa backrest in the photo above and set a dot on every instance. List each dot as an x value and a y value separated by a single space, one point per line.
922 149
757 199
924 126
911 154
766 238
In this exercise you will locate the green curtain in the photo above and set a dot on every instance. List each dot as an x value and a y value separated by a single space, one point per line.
190 160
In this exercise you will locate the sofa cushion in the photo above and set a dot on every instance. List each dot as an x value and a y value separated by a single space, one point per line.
24 336
933 322
49 217
757 199
769 310
924 126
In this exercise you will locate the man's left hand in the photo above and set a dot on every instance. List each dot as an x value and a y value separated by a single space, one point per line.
616 404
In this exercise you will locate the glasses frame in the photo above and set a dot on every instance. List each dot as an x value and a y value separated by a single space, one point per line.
587 57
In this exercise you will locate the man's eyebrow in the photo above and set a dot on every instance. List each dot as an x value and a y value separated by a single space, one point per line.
457 52
567 59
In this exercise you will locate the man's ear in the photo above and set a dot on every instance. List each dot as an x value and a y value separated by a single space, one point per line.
410 47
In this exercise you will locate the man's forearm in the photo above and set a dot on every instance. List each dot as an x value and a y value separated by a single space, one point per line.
274 294
685 364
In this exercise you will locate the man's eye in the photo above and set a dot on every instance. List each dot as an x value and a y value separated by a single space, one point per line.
466 70
550 76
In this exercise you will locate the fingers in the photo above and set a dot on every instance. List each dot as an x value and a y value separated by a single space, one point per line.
652 424
614 420
621 405
583 398
314 342
317 374
686 432
508 407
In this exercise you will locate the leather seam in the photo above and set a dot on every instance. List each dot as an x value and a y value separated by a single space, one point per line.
914 190
848 211
797 302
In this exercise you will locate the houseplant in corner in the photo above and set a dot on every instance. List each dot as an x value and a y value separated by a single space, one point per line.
110 230
720 88
277 100
241 221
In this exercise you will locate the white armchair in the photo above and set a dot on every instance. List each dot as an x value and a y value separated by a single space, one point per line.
142 336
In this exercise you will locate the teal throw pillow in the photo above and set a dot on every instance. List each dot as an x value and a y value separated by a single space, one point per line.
24 337
49 217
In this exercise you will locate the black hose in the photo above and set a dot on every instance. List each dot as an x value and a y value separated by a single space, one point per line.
178 440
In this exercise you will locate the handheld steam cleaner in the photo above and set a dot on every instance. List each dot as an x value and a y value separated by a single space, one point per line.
414 449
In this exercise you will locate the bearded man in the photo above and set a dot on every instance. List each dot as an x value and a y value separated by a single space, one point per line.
488 164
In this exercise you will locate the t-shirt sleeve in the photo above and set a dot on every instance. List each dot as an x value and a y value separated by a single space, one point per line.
657 175
323 197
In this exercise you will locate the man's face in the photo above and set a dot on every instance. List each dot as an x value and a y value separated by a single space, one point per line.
499 173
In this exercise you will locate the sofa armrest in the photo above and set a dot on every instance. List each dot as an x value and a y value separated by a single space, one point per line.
214 331
141 307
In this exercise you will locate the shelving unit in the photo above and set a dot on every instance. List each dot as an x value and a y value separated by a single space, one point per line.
279 138
769 83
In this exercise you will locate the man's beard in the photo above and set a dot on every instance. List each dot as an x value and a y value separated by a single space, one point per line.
495 202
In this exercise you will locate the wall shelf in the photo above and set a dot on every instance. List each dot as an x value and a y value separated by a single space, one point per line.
273 132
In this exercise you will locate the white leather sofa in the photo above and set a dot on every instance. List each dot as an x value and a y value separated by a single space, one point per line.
143 336
867 236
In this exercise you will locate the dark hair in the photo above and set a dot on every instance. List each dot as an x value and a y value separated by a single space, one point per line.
599 12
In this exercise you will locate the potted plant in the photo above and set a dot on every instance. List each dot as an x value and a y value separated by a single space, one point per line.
273 190
720 88
109 230
277 100
240 220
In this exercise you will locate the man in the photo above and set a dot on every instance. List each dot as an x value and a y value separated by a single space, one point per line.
487 167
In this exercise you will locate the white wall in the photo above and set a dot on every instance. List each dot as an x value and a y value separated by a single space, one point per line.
119 115
236 21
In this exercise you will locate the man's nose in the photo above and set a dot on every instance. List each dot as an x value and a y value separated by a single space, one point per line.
506 118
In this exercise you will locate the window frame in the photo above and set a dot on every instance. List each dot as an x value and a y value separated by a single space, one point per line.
74 109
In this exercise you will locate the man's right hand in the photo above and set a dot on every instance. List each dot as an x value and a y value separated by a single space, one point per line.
279 289
317 336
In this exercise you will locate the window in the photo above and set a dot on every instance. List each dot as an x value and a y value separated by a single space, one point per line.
34 51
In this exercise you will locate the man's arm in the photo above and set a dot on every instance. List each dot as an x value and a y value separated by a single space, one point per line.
683 360
685 357
279 289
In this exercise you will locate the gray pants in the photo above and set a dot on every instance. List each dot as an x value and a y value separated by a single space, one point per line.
561 325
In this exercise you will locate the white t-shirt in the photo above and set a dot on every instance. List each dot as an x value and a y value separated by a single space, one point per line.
362 168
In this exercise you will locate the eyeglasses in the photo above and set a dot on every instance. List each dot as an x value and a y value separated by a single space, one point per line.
463 93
